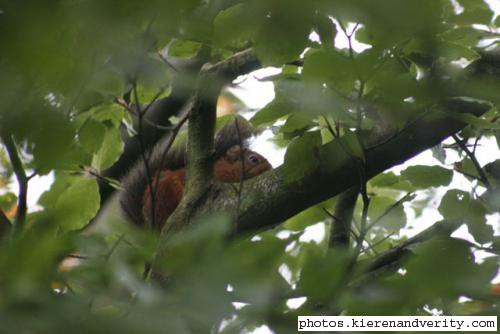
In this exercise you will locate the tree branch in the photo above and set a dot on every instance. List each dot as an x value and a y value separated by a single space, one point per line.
472 157
392 258
22 181
340 230
4 224
267 200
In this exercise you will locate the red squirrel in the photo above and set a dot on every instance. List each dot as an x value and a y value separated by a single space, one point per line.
232 162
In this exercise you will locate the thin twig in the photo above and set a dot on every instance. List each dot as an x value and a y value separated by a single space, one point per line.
169 64
112 183
147 268
364 214
479 169
171 140
127 108
242 171
372 246
475 144
22 181
145 159
114 246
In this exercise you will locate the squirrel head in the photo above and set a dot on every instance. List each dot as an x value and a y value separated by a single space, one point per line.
238 162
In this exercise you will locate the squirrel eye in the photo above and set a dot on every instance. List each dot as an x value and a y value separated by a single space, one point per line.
253 159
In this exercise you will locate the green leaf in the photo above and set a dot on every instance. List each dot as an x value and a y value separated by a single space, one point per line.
439 153
350 143
466 36
289 99
326 30
234 26
454 204
78 204
309 216
282 35
183 49
300 157
110 150
107 82
271 112
297 121
475 12
385 180
91 135
321 276
430 274
109 112
71 201
392 219
454 51
7 200
476 222
335 69
52 140
466 166
423 177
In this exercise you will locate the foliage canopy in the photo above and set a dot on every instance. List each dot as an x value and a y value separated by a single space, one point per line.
79 77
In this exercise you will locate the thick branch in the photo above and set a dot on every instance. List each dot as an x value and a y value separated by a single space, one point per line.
267 200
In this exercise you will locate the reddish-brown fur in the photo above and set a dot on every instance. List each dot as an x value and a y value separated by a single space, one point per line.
228 168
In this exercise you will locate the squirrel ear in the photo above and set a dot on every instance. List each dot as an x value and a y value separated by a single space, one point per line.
234 153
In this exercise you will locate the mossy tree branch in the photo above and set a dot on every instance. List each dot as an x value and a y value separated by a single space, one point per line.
268 200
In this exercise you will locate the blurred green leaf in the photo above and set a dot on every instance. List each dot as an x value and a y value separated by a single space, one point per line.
322 273
282 36
476 222
236 25
300 157
110 150
326 30
183 49
474 12
91 135
429 272
454 204
423 177
331 67
392 218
